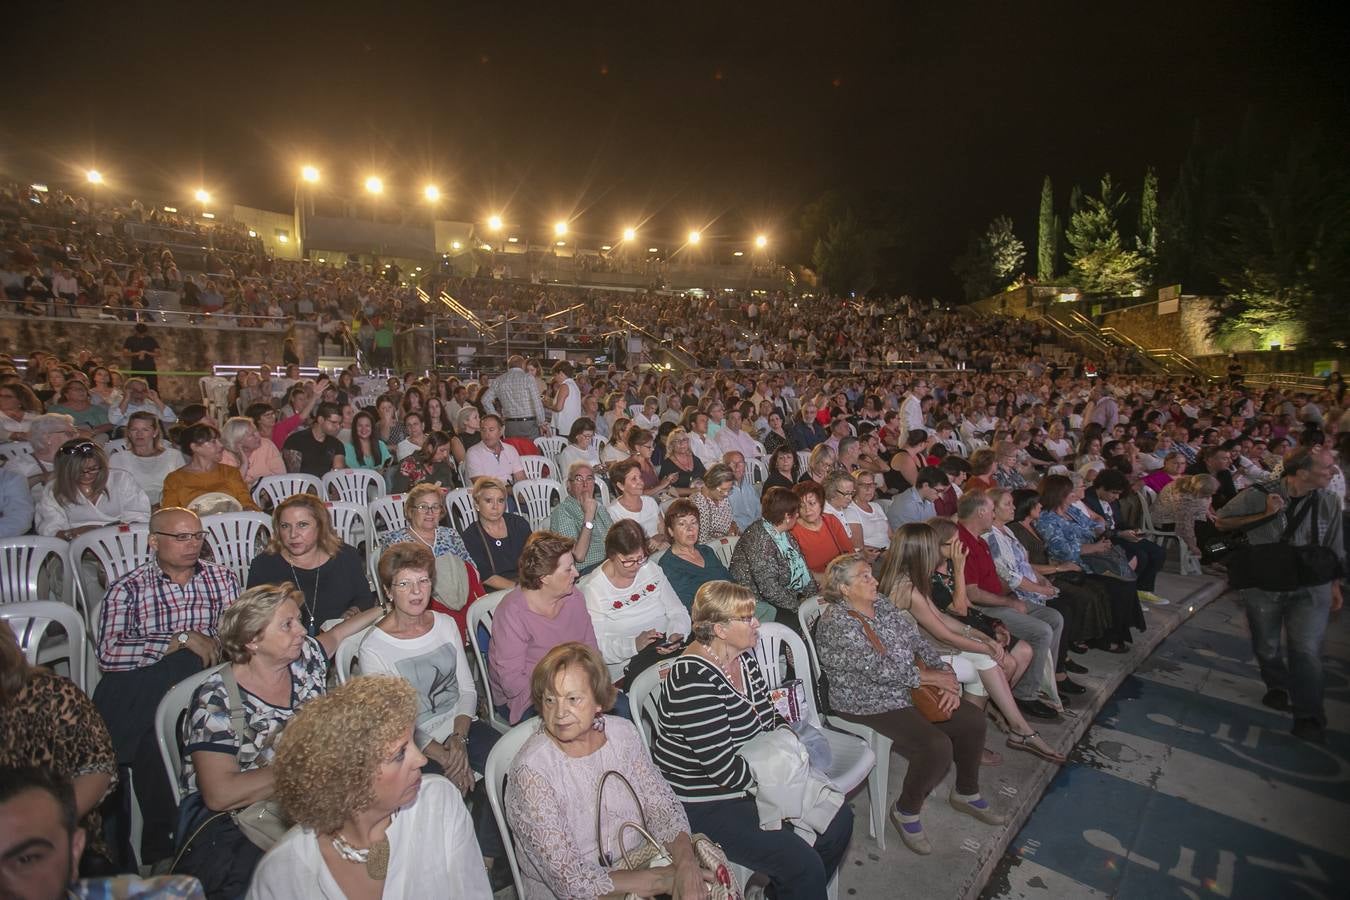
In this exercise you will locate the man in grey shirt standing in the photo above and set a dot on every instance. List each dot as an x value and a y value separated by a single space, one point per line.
516 395
1296 682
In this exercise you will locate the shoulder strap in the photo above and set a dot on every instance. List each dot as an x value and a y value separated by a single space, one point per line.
1291 524
868 632
237 717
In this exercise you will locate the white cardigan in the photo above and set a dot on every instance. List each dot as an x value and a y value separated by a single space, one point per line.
124 501
432 853
619 615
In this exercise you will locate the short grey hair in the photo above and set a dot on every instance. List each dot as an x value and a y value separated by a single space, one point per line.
233 431
46 425
833 480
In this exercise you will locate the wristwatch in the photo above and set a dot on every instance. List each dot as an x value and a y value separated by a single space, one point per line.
182 638
589 526
455 736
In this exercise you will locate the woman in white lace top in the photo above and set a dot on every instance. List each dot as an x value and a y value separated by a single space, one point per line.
552 792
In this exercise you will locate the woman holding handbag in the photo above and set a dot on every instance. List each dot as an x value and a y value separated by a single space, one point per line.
569 813
712 703
884 675
234 719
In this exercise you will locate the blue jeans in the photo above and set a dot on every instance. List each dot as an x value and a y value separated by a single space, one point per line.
797 869
1151 557
1302 615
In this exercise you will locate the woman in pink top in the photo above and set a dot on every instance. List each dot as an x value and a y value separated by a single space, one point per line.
545 610
248 451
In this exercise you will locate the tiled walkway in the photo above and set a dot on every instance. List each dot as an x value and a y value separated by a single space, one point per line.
1186 786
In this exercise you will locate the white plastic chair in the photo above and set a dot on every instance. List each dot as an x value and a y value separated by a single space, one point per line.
759 470
346 654
536 498
494 774
275 488
382 516
602 491
235 538
115 446
350 521
26 565
803 460
118 549
550 446
459 504
723 547
14 449
1187 562
537 466
481 612
760 452
878 782
170 717
352 486
30 621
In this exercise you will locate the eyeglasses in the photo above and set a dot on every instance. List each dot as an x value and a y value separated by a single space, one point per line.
746 619
182 537
632 563
846 493
583 477
82 448
406 585
425 507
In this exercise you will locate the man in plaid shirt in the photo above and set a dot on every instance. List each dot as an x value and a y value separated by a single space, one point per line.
157 626
517 395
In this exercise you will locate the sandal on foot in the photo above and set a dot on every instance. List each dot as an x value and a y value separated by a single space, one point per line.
1034 744
914 840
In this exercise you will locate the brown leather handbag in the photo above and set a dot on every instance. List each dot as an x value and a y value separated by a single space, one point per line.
926 697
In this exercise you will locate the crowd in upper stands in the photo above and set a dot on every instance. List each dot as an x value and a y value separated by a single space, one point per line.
956 539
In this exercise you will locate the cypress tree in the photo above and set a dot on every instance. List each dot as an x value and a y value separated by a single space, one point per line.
1047 235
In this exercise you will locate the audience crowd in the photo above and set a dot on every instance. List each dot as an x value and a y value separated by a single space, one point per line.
944 538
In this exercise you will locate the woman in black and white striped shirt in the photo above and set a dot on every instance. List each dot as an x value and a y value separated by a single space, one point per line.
713 701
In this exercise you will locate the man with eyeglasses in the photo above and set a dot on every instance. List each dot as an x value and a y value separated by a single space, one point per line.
157 625
316 450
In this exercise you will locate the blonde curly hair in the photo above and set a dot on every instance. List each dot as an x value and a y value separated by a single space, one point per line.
329 754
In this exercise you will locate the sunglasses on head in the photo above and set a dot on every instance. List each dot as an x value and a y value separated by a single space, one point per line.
79 448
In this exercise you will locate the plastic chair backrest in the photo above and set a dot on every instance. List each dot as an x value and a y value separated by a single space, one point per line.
481 612
772 639
26 562
30 621
346 654
642 696
803 460
234 539
602 489
275 488
170 716
808 614
550 446
759 470
494 776
14 449
350 522
118 549
352 486
536 498
115 446
537 466
386 515
459 503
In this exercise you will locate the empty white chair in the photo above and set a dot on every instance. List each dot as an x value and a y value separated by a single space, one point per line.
878 783
481 612
33 568
383 516
538 466
170 716
536 498
350 521
494 775
459 504
759 470
274 488
803 460
550 446
235 538
352 486
30 621
346 653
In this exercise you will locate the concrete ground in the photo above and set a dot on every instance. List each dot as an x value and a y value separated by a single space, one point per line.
966 852
1187 786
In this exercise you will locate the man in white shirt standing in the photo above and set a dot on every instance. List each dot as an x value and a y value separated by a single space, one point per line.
911 407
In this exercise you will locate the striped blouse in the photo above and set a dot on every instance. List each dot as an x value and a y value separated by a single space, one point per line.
704 722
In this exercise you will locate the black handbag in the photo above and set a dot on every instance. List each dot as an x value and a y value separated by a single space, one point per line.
1282 566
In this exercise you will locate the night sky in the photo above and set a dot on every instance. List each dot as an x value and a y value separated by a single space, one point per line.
727 116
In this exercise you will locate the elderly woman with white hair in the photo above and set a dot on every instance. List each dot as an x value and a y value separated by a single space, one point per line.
249 451
45 433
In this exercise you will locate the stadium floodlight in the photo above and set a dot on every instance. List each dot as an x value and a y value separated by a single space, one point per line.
432 193
202 195
455 245
94 176
494 223
310 174
761 241
629 234
695 237
374 185
560 228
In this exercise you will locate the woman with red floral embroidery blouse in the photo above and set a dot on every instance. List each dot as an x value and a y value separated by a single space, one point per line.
638 617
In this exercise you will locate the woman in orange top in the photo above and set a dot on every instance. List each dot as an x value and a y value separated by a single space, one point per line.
204 472
821 537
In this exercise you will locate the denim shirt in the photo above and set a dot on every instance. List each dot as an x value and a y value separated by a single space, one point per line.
1064 537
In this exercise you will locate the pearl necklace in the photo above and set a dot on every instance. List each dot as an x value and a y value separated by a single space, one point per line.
723 666
375 858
